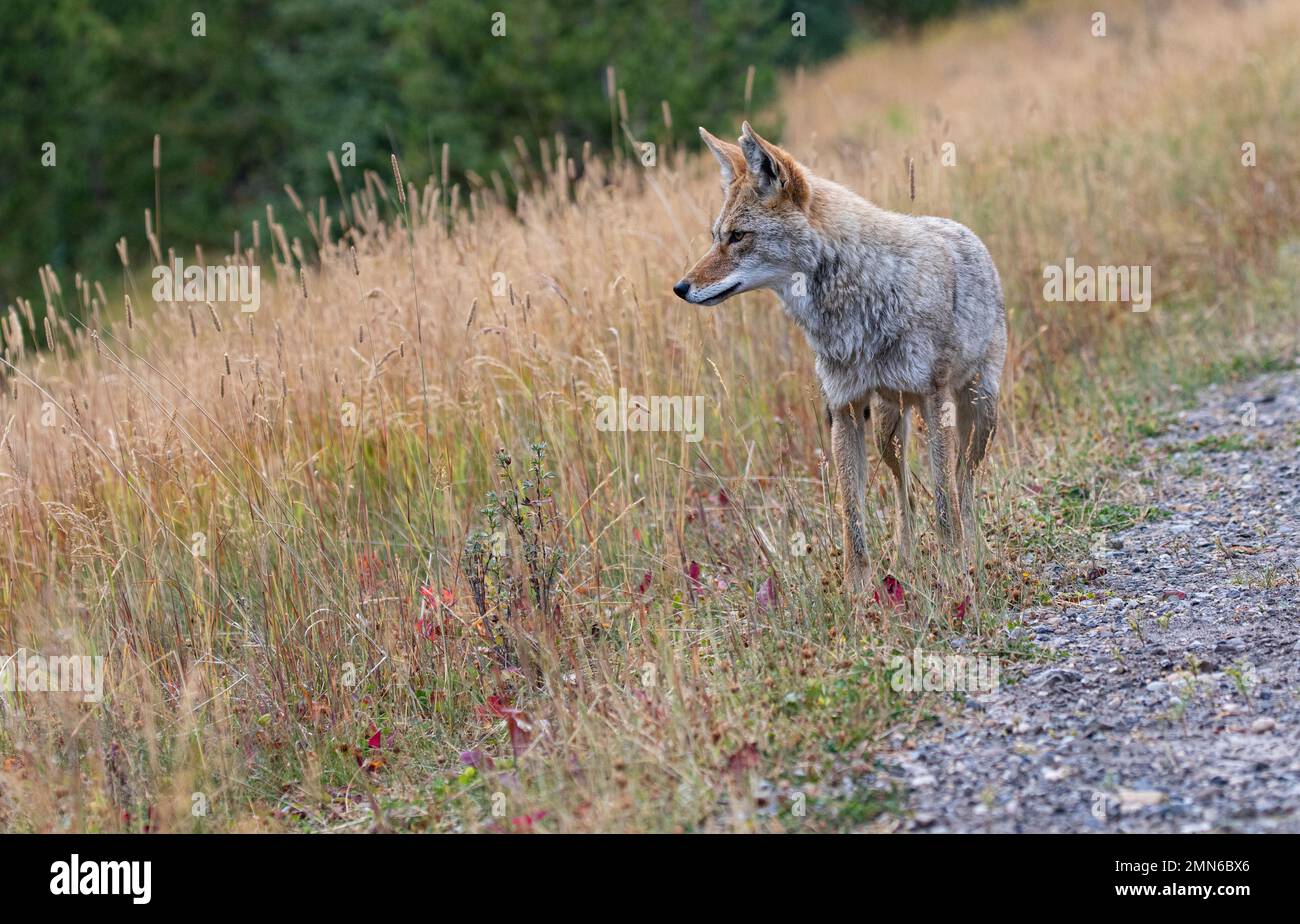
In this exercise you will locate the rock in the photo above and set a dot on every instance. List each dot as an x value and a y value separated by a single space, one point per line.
1054 676
1262 725
1133 800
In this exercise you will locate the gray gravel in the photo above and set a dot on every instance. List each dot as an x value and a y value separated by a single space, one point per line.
1174 702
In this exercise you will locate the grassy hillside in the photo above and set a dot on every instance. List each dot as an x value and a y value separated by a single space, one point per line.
363 560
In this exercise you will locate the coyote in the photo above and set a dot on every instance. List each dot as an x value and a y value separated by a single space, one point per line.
902 312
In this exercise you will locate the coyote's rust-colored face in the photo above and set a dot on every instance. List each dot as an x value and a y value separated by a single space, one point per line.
761 237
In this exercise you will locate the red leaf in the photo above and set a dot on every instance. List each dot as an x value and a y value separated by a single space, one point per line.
520 734
526 821
693 572
893 589
767 594
430 628
1173 593
374 741
645 583
960 613
744 759
516 721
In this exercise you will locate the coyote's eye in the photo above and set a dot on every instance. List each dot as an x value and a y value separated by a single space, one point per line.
736 236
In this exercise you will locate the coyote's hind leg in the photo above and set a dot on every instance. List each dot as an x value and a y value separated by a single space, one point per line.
940 413
977 418
891 423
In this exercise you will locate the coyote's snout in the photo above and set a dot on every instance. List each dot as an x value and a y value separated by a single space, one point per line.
902 313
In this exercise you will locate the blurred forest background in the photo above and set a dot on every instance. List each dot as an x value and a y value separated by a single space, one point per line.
303 77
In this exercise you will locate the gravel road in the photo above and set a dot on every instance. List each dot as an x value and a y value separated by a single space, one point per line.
1175 703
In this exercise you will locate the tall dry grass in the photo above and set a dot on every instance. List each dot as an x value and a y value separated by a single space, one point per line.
238 512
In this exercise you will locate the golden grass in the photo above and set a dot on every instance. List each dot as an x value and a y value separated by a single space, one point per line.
329 455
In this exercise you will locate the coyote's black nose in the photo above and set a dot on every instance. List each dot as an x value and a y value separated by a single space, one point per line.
682 288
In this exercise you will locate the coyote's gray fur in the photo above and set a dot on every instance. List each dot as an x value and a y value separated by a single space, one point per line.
902 313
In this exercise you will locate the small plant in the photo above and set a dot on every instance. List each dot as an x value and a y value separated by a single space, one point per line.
1243 678
527 508
1232 443
1137 628
480 566
1270 579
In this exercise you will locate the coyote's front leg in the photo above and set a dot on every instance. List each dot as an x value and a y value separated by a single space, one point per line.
849 446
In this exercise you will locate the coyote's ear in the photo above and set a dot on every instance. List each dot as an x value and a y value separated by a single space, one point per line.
729 157
772 169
